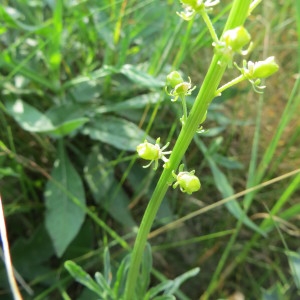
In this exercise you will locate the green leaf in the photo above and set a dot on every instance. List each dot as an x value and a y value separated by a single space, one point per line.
5 172
140 77
135 75
67 117
294 262
107 293
10 15
146 268
105 189
31 255
277 292
28 117
226 190
106 266
32 120
82 277
121 134
68 127
180 279
119 284
137 102
64 195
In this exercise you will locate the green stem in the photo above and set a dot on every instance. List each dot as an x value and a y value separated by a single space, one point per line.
184 108
206 94
229 84
209 25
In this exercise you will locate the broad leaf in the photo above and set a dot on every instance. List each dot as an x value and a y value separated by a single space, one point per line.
105 188
114 131
140 77
137 102
64 195
30 119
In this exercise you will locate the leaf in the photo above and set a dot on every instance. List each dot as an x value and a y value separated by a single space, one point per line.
32 120
67 118
121 276
277 292
121 134
107 293
137 76
82 277
28 117
106 266
31 255
226 190
137 102
105 189
140 77
68 127
181 279
10 15
294 262
146 268
64 195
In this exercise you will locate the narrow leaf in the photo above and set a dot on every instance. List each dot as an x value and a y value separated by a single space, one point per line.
294 262
82 277
226 190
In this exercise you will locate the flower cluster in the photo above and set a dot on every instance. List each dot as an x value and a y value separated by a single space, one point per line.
153 152
255 71
192 7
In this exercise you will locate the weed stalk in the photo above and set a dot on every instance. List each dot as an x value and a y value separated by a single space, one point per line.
237 17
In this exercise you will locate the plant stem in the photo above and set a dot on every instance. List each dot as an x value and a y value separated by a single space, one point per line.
184 108
229 84
206 94
209 25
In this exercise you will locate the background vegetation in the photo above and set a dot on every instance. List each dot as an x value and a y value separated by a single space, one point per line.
82 85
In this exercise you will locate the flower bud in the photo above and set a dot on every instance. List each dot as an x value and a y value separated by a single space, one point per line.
174 78
236 38
148 151
265 68
192 3
188 182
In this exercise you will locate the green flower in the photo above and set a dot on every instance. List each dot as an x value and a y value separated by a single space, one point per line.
265 68
255 71
187 181
235 39
153 152
174 78
232 42
181 89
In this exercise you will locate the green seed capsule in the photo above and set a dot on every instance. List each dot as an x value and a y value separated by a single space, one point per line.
265 68
174 78
148 151
188 182
236 38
